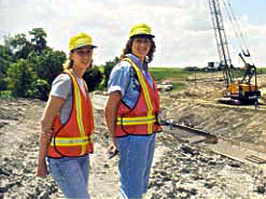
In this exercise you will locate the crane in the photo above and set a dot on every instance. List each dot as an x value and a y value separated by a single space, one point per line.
243 91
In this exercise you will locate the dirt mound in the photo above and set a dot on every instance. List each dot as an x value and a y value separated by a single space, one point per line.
197 107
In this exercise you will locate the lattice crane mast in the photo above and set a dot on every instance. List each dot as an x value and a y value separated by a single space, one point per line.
244 91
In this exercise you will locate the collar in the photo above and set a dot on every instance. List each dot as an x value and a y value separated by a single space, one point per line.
136 60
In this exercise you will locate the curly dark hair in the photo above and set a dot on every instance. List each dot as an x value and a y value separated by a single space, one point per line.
128 49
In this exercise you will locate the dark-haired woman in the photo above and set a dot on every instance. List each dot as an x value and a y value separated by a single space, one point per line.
132 112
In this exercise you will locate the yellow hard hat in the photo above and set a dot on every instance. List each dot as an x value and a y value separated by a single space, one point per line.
80 40
141 29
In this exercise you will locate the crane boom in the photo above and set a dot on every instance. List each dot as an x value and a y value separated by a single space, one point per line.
241 90
221 40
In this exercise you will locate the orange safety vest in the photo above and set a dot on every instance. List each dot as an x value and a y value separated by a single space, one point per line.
143 118
73 138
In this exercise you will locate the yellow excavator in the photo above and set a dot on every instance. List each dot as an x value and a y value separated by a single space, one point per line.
244 91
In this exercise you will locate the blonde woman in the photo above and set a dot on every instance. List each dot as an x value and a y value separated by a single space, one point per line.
67 123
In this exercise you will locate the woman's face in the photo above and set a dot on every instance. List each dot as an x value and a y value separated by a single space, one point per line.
141 47
82 57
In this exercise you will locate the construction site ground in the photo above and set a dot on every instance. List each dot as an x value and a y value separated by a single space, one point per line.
183 166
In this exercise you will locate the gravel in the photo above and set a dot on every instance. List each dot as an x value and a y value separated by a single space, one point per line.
180 170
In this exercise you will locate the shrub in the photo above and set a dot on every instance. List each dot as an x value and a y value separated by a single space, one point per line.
93 78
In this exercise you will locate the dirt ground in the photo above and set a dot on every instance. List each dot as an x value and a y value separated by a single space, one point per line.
198 107
179 170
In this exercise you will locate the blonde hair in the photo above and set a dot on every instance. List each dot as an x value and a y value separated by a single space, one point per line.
68 63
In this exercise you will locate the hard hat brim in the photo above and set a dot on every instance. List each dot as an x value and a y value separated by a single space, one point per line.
150 36
82 46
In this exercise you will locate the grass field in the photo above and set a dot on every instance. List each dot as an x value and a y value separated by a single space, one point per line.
164 73
261 70
177 76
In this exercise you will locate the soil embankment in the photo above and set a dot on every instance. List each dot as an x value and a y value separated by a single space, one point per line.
181 170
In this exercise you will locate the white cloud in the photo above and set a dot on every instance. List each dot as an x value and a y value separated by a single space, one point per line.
184 35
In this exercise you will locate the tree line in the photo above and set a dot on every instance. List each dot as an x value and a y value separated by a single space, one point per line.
29 66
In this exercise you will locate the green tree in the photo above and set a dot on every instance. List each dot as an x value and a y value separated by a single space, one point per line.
28 67
20 77
39 89
107 70
48 64
5 61
20 46
3 83
39 38
93 78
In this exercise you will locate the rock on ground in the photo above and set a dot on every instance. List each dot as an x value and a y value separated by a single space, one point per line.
179 170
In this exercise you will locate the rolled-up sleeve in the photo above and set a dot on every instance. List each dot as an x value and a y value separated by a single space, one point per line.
119 78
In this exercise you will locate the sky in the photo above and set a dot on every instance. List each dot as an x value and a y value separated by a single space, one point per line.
183 29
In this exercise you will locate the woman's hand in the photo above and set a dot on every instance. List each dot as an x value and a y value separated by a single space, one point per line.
42 168
112 150
110 118
45 138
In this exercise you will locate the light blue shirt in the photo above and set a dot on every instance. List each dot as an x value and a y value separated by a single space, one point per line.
123 78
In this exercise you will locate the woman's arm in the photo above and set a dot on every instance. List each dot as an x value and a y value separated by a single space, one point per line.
52 108
110 113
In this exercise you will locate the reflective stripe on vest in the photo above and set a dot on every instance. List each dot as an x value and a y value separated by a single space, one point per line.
70 141
136 120
76 141
150 118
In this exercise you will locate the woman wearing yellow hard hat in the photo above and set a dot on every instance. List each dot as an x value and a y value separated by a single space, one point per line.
67 123
132 112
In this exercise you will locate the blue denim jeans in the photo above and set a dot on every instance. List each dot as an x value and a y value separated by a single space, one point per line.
136 155
71 175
